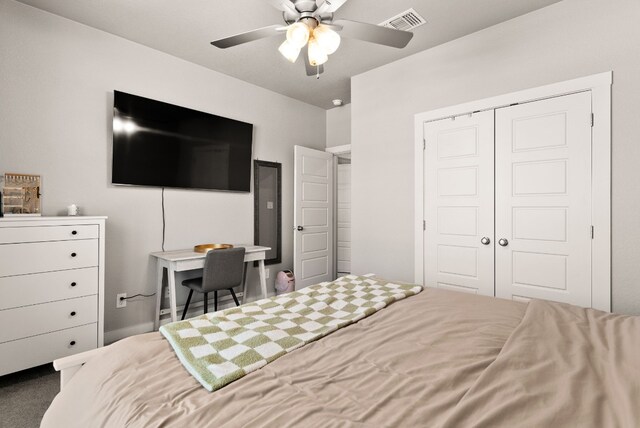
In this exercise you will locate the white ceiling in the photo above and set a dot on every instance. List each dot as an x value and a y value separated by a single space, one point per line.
184 29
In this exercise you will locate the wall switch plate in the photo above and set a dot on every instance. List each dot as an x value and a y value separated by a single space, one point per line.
121 303
269 205
266 273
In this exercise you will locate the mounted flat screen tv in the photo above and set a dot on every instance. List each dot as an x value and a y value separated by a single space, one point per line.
164 145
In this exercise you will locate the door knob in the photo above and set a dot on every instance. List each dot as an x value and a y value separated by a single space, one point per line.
485 241
503 242
300 228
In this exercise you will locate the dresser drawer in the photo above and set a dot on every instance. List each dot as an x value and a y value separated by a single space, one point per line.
23 290
12 235
37 350
20 259
27 321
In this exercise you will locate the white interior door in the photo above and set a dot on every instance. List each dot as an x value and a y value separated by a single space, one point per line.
543 200
343 238
313 217
459 176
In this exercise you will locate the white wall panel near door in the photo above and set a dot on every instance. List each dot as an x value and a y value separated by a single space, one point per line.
343 237
543 200
458 203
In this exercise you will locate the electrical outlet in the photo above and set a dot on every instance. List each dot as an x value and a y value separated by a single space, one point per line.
266 273
166 293
121 303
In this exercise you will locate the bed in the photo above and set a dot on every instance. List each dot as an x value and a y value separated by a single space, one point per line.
438 359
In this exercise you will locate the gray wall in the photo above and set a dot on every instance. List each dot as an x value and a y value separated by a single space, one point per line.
570 39
56 86
339 126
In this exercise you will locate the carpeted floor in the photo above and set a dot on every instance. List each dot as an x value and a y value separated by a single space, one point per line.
26 395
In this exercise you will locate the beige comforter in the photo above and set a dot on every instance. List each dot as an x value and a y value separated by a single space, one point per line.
436 359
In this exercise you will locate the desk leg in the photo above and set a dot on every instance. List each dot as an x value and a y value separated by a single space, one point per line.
160 272
263 280
171 279
244 283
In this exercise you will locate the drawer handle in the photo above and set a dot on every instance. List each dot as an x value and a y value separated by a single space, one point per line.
72 343
73 254
73 314
73 284
74 232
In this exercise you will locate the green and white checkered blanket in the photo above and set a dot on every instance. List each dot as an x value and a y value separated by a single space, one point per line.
224 346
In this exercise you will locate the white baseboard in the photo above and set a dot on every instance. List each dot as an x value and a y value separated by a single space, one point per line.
195 309
121 333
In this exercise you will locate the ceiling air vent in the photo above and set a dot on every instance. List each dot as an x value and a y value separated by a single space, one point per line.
406 21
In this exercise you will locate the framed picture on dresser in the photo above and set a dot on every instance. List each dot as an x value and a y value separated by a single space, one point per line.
21 194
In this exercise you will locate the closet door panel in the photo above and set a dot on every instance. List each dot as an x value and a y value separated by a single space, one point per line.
543 200
459 186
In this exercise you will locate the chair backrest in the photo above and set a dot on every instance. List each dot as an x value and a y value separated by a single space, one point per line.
223 269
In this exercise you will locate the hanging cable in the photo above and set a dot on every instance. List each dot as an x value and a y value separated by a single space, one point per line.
164 225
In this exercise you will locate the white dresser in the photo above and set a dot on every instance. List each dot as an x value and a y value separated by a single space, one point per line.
51 289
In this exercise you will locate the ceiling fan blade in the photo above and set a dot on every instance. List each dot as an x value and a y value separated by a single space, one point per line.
284 5
334 27
328 6
311 70
249 36
374 33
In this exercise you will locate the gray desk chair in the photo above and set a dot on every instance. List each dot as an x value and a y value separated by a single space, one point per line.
223 270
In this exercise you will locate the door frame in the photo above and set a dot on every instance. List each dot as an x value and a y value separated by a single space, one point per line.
600 87
339 150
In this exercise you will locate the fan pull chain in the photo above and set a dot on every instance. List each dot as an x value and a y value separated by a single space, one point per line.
318 71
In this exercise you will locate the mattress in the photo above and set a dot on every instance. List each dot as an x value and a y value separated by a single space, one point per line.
438 359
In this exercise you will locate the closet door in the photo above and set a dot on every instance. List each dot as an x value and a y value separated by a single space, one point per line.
543 200
459 175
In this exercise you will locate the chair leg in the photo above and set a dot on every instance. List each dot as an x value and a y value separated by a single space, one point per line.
235 299
215 301
206 302
186 306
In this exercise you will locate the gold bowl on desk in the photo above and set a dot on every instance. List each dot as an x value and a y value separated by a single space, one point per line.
205 248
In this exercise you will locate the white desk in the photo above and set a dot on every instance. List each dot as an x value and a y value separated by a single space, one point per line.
182 260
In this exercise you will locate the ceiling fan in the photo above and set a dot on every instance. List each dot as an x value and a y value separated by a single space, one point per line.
311 30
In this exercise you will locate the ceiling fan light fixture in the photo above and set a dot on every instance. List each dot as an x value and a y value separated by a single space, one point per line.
328 39
298 34
317 54
289 51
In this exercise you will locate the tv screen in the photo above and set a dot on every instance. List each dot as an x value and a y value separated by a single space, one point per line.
164 145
